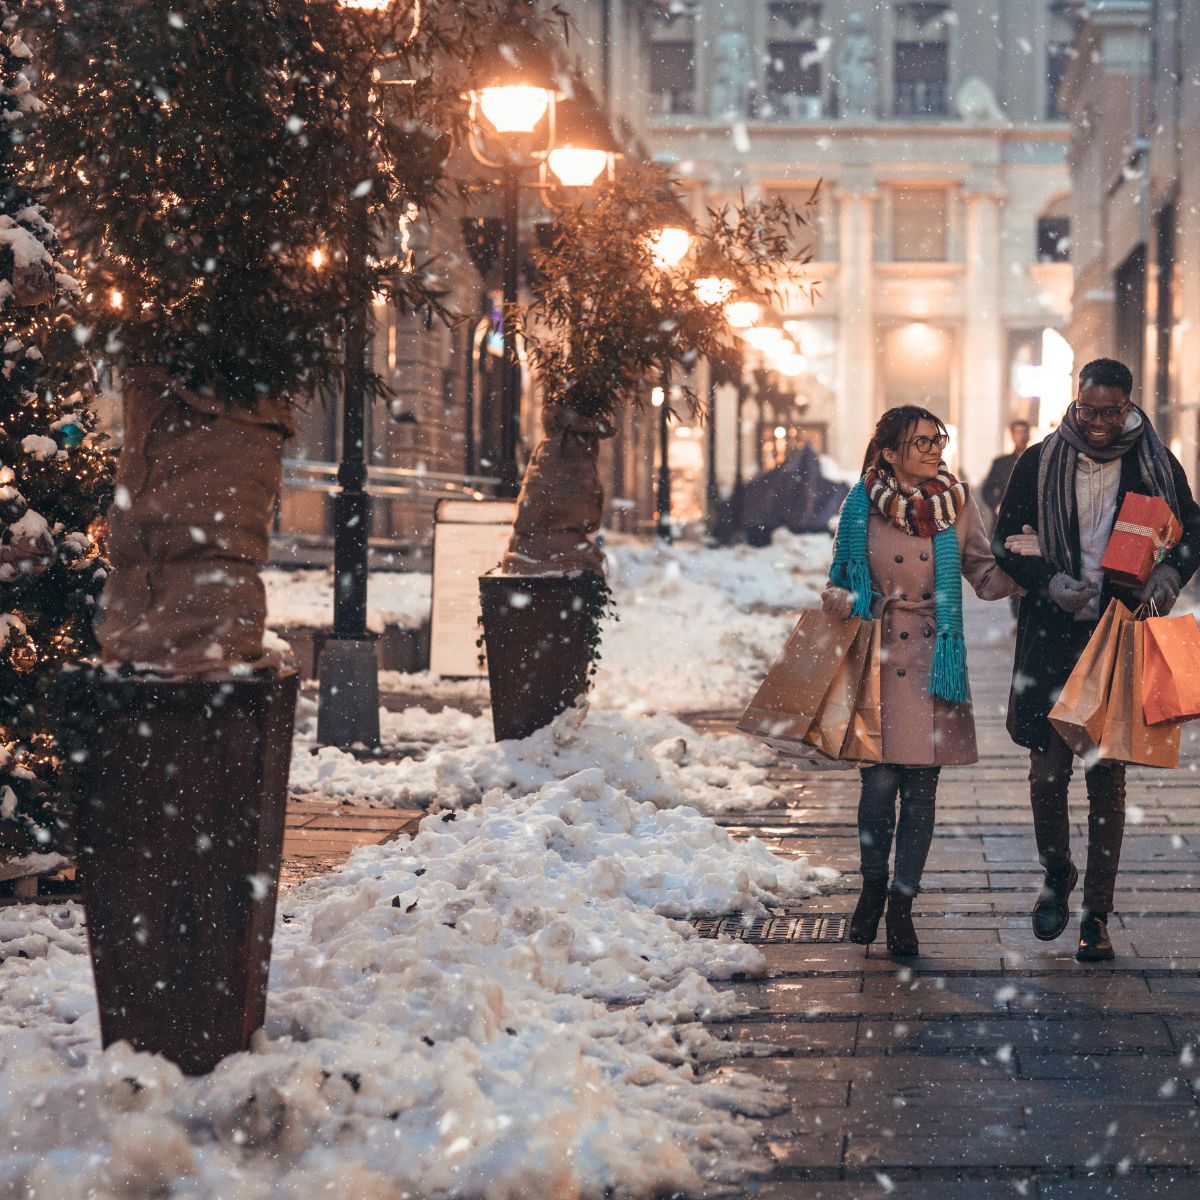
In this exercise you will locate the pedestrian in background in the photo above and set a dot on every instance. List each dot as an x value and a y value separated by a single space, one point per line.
908 532
992 491
1054 525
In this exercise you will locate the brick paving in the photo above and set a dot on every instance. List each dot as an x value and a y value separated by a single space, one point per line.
993 1065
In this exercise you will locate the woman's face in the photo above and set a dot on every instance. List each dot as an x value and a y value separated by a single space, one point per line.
919 455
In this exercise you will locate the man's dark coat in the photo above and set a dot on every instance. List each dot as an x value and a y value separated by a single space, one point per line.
1050 641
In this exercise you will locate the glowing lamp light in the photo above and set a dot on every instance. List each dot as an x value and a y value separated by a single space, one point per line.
316 259
790 365
780 431
669 246
742 314
762 337
116 299
368 5
574 166
657 396
513 108
713 290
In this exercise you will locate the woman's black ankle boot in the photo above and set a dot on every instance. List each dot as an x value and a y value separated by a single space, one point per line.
865 922
901 936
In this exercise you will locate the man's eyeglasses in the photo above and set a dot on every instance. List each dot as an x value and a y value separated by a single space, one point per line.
1110 415
925 444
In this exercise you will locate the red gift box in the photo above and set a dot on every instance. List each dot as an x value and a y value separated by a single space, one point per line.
1145 531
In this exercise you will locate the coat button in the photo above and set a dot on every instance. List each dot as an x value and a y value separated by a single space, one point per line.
924 556
926 595
927 632
904 637
901 672
899 557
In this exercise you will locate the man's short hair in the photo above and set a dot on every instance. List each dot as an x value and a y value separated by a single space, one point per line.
1107 372
1019 421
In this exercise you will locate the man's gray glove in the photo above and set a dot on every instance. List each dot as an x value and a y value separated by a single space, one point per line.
1072 595
1161 589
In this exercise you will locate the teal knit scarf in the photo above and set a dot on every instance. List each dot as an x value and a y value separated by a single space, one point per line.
851 570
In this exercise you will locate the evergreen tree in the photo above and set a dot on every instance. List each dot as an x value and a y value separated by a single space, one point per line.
55 475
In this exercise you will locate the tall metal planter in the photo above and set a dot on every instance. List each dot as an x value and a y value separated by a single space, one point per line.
540 631
181 792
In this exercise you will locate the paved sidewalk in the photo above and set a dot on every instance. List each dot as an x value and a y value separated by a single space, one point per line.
993 1065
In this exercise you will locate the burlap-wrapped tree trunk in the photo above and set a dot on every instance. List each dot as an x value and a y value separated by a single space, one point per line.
562 500
190 528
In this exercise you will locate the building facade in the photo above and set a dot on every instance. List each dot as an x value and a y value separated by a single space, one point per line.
942 238
1132 97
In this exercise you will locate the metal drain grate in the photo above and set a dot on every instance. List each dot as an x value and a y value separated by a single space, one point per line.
795 928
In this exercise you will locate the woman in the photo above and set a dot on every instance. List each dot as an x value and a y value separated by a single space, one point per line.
908 532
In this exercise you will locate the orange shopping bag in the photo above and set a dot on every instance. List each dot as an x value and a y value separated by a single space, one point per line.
1171 669
1127 737
1078 714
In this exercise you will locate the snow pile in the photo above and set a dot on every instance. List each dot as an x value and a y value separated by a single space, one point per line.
652 758
305 598
697 629
438 1025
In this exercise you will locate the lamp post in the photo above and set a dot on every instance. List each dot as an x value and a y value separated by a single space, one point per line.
517 93
348 672
669 246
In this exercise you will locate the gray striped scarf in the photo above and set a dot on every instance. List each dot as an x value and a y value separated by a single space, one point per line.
1056 480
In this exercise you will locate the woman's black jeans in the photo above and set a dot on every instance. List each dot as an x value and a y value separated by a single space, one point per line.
1050 773
917 789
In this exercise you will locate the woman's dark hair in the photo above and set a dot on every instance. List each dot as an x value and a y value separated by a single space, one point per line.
891 432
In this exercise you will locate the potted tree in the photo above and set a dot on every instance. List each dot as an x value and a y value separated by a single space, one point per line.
610 312
205 151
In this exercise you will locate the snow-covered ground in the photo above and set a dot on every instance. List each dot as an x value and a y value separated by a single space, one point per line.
506 1005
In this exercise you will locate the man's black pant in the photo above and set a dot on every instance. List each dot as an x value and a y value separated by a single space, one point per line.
1049 775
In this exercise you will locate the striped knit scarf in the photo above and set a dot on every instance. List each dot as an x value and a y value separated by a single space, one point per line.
851 570
922 511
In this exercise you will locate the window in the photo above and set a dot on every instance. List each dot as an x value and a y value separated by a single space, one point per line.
1058 59
793 68
673 76
921 63
1054 239
919 221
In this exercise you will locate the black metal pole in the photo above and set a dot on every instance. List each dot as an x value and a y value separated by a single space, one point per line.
664 463
739 483
510 382
351 506
469 335
348 701
712 496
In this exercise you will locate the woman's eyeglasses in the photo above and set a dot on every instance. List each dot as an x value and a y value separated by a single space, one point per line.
925 444
1110 415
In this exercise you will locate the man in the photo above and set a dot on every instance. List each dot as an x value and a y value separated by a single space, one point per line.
1001 469
1064 494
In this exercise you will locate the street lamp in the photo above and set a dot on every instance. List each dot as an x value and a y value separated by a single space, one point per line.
516 92
348 672
669 246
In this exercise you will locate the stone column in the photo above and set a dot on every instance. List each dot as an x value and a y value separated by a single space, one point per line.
981 405
855 416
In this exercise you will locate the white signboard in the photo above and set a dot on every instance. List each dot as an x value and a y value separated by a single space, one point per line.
469 538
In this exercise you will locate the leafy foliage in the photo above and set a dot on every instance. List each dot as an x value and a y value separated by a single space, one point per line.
55 475
206 148
606 318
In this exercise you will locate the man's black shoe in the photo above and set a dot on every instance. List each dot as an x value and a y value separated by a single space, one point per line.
1094 942
1052 910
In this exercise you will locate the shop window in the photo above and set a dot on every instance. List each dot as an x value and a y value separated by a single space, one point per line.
921 62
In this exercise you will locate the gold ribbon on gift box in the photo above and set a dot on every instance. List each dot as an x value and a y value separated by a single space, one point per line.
1162 546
